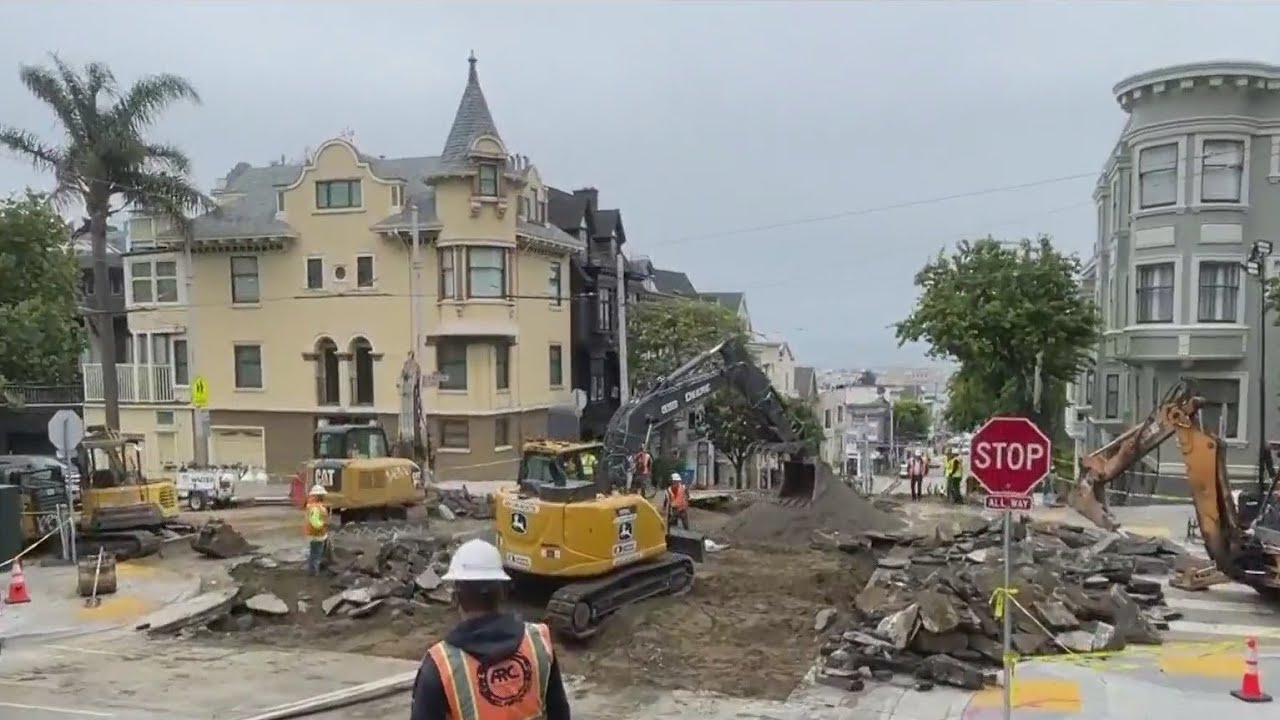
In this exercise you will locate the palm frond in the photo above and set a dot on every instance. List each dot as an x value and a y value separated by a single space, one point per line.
31 148
171 195
144 101
83 88
49 89
168 157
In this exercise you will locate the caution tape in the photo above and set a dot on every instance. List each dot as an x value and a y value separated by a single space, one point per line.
33 545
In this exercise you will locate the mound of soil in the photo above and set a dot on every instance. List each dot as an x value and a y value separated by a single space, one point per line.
836 507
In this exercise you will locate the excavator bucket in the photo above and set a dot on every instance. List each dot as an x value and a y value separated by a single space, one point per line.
799 482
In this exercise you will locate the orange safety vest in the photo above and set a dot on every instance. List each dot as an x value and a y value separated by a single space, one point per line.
679 498
311 530
513 688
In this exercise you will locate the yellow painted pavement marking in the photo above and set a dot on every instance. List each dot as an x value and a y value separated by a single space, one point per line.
1034 694
135 570
1214 665
119 608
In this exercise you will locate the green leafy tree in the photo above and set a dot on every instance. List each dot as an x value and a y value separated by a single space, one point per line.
41 336
805 423
665 334
107 163
1014 318
911 419
731 425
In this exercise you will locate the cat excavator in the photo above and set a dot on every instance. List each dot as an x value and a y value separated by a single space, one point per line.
600 546
1242 549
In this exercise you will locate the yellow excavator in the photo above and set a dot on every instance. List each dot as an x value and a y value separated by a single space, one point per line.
598 542
122 510
1242 549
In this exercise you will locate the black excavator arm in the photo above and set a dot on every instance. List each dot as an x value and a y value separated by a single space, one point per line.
686 388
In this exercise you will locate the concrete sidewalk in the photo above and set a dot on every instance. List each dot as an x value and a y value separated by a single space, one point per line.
57 611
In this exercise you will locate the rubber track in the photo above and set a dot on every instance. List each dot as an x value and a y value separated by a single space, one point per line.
671 574
125 545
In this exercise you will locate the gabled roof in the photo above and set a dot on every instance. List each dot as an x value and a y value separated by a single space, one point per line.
731 300
670 282
566 210
472 120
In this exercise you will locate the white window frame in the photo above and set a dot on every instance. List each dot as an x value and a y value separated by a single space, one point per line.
280 201
1198 185
397 196
1242 295
1115 206
306 273
1134 266
231 279
1106 377
152 260
1242 426
555 283
373 265
1135 187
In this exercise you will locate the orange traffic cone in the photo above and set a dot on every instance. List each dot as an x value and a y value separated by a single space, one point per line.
17 586
1251 685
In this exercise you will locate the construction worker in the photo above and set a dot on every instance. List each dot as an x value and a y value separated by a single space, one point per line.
588 460
643 468
491 666
317 529
677 502
953 471
916 470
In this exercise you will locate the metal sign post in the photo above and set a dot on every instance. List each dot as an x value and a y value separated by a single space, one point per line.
1009 456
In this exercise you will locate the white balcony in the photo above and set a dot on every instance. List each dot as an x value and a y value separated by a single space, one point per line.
138 383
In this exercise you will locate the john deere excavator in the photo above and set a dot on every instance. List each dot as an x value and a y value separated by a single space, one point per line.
1243 549
601 547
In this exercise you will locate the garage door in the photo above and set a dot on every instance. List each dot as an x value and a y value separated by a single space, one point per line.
238 445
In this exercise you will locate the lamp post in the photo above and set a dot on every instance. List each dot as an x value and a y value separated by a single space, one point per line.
1256 266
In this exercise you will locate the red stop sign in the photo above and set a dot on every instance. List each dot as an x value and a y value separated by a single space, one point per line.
1009 455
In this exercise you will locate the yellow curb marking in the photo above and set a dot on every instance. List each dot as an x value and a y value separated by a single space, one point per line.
1034 694
134 570
118 609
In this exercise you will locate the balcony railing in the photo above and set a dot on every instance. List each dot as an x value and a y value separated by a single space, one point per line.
138 383
46 395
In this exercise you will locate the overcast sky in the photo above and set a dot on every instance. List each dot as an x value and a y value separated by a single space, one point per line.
699 121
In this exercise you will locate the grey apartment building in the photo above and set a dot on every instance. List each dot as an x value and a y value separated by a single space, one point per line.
1191 184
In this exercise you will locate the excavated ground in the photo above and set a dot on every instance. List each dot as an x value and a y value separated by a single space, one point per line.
746 629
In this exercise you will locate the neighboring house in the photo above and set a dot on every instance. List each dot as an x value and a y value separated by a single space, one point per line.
1182 196
733 301
855 420
670 282
806 380
116 246
294 305
593 282
779 363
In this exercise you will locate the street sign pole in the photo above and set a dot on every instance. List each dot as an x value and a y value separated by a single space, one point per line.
1009 456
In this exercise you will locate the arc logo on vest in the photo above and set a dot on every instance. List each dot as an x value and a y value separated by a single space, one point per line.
506 682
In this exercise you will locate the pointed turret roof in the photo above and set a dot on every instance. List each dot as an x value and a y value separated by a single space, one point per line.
472 120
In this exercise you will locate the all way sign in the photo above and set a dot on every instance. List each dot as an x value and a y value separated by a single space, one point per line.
1008 502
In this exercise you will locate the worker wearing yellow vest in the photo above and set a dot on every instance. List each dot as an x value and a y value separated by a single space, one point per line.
953 471
491 666
588 460
317 529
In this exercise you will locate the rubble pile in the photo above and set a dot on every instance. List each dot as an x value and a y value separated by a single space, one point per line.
462 503
835 507
927 609
401 577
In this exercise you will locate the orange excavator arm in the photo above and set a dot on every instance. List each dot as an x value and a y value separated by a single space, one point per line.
1108 462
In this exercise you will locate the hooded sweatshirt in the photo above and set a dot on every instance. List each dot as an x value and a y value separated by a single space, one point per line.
485 638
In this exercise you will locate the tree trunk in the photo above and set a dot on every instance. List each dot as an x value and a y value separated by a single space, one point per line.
104 320
738 462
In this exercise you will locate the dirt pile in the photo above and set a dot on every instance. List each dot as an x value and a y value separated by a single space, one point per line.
836 508
927 609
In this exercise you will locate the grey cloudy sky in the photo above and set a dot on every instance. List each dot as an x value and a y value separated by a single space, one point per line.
695 119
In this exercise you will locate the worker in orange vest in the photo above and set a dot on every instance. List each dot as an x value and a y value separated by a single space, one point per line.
677 502
317 529
492 665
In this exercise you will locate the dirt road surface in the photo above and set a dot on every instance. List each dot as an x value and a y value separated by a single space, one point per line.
746 628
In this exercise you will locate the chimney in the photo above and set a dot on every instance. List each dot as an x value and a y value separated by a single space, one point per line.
591 194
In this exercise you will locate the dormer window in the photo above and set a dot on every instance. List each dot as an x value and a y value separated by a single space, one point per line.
397 196
524 207
279 201
487 180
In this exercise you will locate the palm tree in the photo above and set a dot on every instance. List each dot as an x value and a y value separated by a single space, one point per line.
106 159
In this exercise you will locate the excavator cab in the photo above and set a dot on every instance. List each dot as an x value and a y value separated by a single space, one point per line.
362 478
560 470
115 492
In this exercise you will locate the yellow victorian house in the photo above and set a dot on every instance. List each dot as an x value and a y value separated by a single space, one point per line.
292 303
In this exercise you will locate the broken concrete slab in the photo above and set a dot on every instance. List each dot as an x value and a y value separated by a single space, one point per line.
267 604
198 610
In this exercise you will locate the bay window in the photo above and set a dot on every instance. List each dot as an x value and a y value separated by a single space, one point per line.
448 286
1155 293
486 272
1158 176
154 281
1222 171
1219 292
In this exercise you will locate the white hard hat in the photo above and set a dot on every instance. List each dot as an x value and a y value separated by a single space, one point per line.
316 490
476 560
675 477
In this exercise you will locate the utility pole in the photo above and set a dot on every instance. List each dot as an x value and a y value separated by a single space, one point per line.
620 296
415 284
1256 265
199 416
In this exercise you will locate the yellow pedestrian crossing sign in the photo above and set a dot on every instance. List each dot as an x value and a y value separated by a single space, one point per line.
199 392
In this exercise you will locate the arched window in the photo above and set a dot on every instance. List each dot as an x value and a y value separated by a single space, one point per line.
327 383
361 372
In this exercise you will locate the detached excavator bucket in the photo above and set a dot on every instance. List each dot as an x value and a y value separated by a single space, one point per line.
799 482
